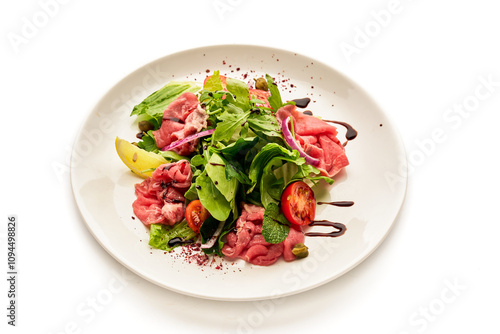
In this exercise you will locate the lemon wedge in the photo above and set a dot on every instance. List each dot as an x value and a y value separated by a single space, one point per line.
139 161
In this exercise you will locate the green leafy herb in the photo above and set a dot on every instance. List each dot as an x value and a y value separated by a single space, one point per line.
148 142
266 154
154 105
211 198
275 227
216 170
275 98
213 83
264 125
240 91
160 235
230 121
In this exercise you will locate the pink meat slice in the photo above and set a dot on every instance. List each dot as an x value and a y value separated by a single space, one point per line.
317 138
182 118
160 199
294 237
254 255
248 243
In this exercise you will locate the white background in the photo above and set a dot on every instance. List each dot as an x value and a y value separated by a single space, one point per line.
437 272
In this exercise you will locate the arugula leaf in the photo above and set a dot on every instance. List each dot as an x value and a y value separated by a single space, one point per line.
239 148
157 102
235 170
305 171
275 227
230 121
264 124
148 142
275 99
171 155
160 235
211 198
208 228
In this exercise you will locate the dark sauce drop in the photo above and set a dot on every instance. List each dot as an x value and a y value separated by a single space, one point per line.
308 112
351 132
302 103
339 229
339 203
178 241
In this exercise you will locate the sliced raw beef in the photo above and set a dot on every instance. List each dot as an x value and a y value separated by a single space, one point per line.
160 199
318 139
247 242
182 118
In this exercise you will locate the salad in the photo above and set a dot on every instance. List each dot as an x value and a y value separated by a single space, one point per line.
231 166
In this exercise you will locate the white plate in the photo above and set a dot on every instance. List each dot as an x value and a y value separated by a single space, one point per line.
375 179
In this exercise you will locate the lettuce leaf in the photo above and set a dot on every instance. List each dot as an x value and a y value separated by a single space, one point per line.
160 235
211 198
240 92
213 83
153 106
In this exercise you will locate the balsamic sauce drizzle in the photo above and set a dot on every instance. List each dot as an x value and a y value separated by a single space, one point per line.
338 228
339 203
178 241
351 132
302 103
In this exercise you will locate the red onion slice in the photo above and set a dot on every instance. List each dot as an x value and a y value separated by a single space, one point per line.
210 243
187 139
290 140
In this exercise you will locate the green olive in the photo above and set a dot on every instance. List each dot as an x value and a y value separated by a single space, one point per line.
300 250
261 84
145 126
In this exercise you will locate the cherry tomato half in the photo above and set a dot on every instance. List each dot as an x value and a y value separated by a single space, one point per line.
298 203
195 215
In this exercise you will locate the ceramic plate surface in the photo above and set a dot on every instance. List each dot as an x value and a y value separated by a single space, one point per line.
375 180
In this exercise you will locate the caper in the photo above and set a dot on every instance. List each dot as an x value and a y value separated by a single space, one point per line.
261 84
145 126
300 250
